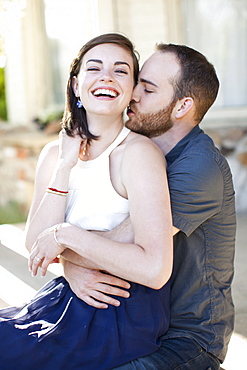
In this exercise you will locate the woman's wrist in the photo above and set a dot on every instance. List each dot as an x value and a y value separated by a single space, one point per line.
55 232
59 234
60 179
64 165
67 236
63 234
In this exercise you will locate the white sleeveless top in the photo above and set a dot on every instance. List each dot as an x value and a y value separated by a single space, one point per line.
92 202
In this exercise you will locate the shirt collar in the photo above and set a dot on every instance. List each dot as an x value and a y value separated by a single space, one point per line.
177 150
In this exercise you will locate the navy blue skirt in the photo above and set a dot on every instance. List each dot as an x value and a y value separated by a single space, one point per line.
57 330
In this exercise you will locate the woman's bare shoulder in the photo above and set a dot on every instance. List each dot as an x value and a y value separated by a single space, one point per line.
135 136
138 141
50 149
49 153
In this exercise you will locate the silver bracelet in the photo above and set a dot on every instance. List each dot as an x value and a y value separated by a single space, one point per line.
55 235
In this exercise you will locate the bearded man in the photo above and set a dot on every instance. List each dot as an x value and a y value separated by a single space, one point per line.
176 87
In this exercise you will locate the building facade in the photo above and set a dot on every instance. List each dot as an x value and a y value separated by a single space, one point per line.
41 37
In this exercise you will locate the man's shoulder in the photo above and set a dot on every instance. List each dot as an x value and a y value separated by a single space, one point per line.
202 141
200 163
202 149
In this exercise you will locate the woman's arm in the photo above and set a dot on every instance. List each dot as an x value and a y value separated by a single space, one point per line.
53 169
149 259
122 233
93 287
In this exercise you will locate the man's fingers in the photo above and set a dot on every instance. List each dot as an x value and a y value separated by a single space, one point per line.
113 280
104 298
92 302
112 290
96 288
99 300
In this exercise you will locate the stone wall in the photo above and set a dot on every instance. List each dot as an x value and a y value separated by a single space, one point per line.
20 148
19 152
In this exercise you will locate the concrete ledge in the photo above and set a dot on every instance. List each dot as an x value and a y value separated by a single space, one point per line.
19 286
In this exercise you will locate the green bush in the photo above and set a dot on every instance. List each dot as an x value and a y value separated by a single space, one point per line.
12 214
3 108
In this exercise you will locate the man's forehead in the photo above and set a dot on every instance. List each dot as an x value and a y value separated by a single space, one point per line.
159 67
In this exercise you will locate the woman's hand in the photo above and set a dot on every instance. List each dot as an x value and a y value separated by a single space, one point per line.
44 251
70 147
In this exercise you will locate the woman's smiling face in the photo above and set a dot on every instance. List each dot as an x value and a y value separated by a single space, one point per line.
105 81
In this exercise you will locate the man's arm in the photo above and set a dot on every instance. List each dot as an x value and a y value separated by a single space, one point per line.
93 286
88 282
122 233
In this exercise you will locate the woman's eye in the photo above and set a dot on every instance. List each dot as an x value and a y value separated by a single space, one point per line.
93 69
121 71
148 91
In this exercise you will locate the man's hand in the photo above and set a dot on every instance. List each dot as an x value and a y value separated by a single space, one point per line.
95 287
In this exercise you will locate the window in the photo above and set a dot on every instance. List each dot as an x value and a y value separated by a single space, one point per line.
218 29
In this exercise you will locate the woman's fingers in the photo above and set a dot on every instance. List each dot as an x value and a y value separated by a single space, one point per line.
34 263
43 252
44 266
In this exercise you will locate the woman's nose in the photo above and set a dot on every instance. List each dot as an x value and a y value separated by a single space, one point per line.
106 76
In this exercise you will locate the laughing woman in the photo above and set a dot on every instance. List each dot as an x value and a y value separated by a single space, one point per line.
93 177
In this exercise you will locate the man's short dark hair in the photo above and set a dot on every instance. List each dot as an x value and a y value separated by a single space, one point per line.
197 77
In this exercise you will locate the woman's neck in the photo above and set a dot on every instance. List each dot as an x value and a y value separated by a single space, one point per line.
107 131
104 125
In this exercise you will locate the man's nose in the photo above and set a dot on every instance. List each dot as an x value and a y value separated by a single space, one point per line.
135 94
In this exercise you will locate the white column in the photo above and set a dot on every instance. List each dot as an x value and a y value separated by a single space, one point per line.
14 69
106 16
37 63
28 77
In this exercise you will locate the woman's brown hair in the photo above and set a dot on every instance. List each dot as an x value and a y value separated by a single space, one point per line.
74 118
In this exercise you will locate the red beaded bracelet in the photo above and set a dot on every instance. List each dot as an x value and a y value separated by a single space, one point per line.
56 191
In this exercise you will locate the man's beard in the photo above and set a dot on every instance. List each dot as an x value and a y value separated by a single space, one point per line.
151 124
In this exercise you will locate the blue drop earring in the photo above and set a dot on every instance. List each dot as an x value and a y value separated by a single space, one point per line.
79 103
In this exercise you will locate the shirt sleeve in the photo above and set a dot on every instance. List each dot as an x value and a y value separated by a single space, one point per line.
196 190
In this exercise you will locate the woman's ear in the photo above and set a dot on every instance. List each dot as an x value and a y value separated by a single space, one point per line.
75 86
183 106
